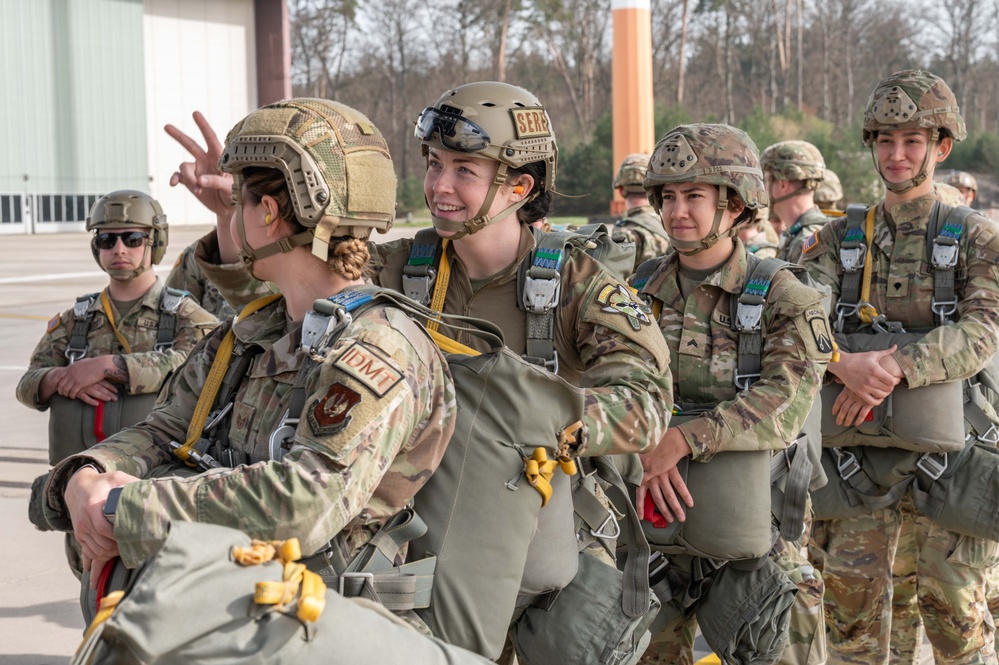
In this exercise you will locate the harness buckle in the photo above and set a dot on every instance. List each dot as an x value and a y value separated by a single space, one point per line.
318 328
883 325
171 300
81 306
990 437
72 355
418 287
612 521
931 466
160 347
945 252
367 578
276 446
216 418
748 316
844 310
744 381
944 308
846 464
851 257
552 365
541 293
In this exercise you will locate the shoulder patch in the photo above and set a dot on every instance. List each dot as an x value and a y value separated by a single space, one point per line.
367 365
819 325
810 243
331 413
54 323
617 299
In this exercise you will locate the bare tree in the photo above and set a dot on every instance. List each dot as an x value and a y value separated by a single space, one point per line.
320 31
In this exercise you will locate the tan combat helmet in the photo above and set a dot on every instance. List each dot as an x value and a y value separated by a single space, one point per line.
336 165
949 194
829 192
964 182
127 208
497 121
631 174
718 155
912 99
794 161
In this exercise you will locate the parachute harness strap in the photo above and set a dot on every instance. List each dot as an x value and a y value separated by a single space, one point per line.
106 303
214 381
539 470
440 286
297 581
866 310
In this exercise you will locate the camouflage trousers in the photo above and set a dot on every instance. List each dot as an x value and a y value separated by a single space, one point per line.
949 588
806 632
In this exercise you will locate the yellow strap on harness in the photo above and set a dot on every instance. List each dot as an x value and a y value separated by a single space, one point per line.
106 609
110 314
296 580
866 311
214 381
538 470
440 286
448 345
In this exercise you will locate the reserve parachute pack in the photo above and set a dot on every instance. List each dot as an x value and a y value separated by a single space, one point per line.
493 527
212 595
936 443
74 425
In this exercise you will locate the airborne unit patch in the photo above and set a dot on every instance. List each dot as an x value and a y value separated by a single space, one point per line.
819 324
331 414
616 299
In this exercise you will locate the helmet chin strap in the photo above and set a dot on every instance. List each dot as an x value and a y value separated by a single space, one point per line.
482 218
690 247
248 254
919 178
777 199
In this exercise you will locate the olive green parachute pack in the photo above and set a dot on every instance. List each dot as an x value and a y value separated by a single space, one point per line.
715 563
936 443
194 603
492 530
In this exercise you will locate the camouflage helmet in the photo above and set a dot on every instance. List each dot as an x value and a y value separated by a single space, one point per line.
334 160
718 155
794 160
631 174
962 179
830 190
913 99
127 208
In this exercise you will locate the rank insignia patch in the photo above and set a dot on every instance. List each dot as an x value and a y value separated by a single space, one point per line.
616 299
331 414
820 329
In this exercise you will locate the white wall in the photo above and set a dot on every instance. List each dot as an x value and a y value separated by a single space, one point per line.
199 55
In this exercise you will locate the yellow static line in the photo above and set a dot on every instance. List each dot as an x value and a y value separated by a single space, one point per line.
709 660
28 317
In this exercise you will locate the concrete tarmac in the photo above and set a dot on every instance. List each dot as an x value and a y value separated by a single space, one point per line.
40 276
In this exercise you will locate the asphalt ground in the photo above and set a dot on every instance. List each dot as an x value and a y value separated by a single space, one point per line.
41 275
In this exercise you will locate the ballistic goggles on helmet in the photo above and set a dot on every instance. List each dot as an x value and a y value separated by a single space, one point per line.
455 132
131 239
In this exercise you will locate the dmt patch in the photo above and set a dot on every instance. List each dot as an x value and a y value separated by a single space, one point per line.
364 364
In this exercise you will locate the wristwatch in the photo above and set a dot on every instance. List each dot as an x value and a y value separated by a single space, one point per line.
111 505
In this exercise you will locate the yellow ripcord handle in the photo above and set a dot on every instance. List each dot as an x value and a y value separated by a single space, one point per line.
110 314
440 286
866 312
214 381
296 580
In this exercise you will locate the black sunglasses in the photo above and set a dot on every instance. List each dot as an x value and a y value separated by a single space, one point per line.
130 239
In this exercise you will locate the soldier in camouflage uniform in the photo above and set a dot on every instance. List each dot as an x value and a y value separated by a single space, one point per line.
965 183
640 224
911 123
605 341
187 275
367 439
793 170
99 369
759 236
829 194
695 282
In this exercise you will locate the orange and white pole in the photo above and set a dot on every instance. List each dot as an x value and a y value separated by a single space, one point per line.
631 84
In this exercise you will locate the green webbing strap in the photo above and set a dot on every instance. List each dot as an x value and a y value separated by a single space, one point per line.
216 439
747 317
373 573
420 271
539 287
166 331
591 516
82 317
946 227
851 258
794 464
862 490
644 273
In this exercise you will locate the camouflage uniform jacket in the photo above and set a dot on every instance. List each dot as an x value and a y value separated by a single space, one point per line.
644 227
795 236
187 275
365 444
704 356
606 341
902 289
146 368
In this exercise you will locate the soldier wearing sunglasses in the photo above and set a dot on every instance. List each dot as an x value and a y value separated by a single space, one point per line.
101 363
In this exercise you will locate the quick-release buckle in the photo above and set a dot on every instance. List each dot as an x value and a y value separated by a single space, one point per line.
80 307
944 308
929 465
368 577
276 446
552 365
160 347
945 253
851 257
845 310
612 521
883 325
319 327
418 287
170 302
72 355
658 563
748 316
846 464
744 381
541 294
990 437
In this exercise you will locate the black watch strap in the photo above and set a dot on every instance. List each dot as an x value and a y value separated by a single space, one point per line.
111 505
